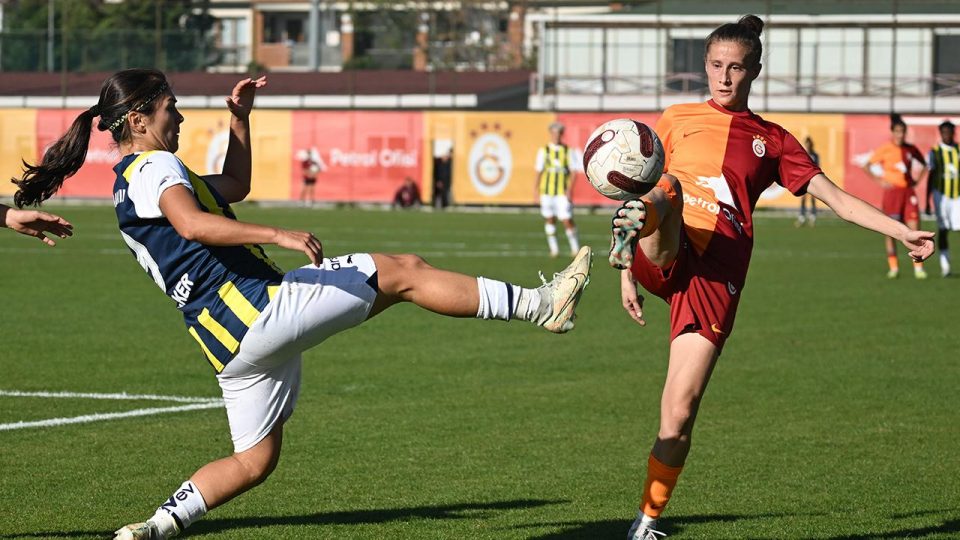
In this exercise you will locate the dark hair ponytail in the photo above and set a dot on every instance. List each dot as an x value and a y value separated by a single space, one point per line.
125 91
64 158
746 32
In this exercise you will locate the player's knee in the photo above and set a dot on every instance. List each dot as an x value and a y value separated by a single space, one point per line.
401 275
258 466
676 421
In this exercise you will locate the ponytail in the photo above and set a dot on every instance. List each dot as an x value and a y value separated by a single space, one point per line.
62 160
130 90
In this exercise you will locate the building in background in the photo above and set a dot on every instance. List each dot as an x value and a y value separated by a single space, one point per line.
819 55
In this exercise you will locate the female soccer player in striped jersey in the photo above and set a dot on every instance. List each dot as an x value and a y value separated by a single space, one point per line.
251 320
689 240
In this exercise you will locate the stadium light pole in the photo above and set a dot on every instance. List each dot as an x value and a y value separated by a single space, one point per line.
50 8
313 35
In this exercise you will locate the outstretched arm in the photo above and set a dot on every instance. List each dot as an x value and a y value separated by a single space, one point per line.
35 223
854 210
180 208
234 183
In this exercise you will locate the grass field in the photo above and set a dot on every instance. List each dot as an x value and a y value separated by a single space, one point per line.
833 413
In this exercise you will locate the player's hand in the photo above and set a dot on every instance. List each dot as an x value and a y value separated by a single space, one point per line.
37 224
301 241
632 300
920 244
240 101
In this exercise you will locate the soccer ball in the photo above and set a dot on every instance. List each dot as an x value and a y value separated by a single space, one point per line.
623 159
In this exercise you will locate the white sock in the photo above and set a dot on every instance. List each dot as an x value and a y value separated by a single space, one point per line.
945 258
185 506
506 301
573 239
647 521
551 231
498 300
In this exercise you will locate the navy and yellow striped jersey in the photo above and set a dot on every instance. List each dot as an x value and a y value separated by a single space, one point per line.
556 174
221 290
945 169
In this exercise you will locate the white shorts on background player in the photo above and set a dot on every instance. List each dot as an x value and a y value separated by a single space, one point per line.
261 384
558 206
948 211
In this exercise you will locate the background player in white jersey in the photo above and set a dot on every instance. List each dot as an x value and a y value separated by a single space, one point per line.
251 320
943 190
555 168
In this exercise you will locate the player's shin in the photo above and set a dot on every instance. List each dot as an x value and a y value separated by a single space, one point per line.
661 479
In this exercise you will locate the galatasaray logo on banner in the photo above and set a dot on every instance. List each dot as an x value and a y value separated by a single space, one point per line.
490 160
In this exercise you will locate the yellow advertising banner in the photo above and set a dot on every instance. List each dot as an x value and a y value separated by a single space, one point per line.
827 131
18 141
203 145
494 153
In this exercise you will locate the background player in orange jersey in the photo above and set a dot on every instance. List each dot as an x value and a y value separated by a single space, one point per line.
689 240
892 166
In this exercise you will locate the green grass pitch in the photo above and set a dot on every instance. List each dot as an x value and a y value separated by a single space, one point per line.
833 413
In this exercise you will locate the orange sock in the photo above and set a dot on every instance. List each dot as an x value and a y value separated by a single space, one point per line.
661 480
917 265
652 220
892 262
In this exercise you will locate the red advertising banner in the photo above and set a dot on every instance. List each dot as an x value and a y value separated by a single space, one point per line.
867 132
95 178
359 155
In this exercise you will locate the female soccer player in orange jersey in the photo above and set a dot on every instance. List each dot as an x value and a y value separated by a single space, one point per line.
689 240
897 160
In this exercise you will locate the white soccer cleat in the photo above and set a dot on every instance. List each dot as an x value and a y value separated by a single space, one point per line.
138 531
639 531
627 222
563 293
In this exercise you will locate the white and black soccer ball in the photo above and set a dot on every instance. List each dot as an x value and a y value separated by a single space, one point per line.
623 159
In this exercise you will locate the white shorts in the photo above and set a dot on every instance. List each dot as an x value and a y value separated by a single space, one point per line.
558 206
261 384
948 211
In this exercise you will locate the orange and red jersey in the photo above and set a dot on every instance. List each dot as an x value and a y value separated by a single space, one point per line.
897 162
724 161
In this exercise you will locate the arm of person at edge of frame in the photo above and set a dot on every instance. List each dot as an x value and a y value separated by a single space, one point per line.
180 208
35 223
854 210
233 183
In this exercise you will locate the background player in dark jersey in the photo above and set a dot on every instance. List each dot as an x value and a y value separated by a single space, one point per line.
943 190
35 223
252 321
803 218
689 240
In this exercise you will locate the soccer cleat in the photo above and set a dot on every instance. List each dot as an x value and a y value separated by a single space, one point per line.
623 245
639 531
920 273
138 531
893 273
563 293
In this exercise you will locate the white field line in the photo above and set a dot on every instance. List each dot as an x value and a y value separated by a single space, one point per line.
119 396
193 403
52 422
